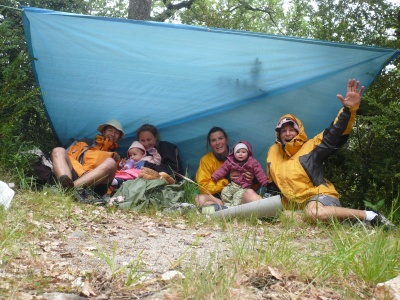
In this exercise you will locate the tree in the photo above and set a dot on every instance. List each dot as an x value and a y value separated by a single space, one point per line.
163 10
250 15
366 169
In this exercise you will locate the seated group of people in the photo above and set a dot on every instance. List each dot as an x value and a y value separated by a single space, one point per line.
226 178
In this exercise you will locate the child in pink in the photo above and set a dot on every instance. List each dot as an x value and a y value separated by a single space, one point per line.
131 167
239 159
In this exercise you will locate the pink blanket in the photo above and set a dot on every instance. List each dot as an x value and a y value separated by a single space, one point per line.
128 174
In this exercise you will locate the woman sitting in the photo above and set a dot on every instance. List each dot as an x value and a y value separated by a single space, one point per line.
149 137
210 190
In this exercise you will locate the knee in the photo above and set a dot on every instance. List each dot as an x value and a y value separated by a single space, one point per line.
58 152
248 193
316 212
197 199
110 164
249 196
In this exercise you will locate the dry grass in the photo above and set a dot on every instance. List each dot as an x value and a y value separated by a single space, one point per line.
49 243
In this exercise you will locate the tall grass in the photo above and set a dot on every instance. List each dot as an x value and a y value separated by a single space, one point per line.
349 260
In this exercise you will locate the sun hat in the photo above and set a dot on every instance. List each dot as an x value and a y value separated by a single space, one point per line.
240 146
114 123
287 120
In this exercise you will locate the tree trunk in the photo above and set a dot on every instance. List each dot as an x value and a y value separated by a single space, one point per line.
139 9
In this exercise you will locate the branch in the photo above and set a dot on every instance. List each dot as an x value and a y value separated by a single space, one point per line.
266 10
180 5
171 8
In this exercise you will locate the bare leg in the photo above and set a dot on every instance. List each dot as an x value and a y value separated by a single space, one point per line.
61 163
250 196
317 211
103 173
204 199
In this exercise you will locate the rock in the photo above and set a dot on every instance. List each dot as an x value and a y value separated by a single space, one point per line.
389 290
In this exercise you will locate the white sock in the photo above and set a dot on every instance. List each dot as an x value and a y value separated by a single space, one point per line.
114 182
370 215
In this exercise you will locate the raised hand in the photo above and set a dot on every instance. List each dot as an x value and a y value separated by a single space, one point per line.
353 96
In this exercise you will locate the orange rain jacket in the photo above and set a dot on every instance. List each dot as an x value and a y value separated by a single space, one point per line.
85 158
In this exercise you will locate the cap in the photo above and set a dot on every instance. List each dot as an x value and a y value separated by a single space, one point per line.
240 146
113 123
287 120
137 144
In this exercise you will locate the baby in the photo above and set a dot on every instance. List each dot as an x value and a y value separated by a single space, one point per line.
131 167
240 159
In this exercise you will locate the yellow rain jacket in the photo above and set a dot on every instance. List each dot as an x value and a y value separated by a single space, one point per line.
208 165
296 169
85 158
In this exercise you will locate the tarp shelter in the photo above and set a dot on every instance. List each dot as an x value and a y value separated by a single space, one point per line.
185 79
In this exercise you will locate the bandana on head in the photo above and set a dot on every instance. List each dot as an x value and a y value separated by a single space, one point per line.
287 120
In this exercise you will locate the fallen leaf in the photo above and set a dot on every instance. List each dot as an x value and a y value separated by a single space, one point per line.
275 273
66 254
180 226
91 248
88 253
87 290
171 275
203 234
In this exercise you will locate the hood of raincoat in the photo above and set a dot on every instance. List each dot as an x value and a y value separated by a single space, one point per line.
297 142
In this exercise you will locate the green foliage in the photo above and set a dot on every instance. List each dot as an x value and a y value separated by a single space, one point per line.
366 169
253 15
372 257
354 21
24 124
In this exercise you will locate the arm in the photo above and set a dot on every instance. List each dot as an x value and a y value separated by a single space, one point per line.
169 159
206 168
221 172
337 133
156 157
334 136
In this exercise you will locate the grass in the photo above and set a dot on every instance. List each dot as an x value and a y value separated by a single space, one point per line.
282 258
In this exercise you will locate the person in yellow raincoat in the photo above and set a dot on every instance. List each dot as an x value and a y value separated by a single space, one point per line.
210 190
294 164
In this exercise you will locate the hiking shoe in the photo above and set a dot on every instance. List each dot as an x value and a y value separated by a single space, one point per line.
66 183
381 220
87 196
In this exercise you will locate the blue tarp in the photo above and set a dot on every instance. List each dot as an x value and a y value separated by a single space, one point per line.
186 79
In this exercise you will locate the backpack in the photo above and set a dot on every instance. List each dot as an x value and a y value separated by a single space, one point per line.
42 167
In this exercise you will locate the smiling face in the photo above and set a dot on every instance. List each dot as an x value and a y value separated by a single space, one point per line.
219 143
112 133
147 139
287 133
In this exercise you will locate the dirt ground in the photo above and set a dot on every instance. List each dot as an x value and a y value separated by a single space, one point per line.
89 255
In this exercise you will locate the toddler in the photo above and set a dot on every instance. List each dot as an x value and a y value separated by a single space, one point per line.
131 167
239 159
